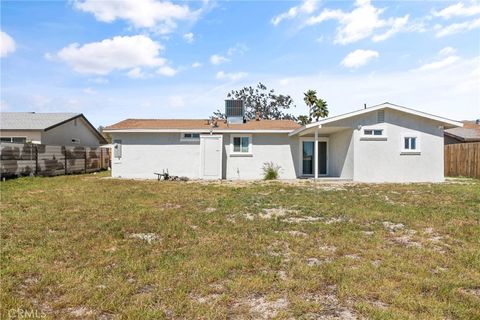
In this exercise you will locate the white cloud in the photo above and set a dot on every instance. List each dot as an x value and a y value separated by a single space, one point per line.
196 65
457 28
362 22
188 37
359 58
447 51
440 64
117 53
446 58
160 16
239 48
230 76
397 25
167 71
136 73
217 59
7 44
435 91
458 9
307 7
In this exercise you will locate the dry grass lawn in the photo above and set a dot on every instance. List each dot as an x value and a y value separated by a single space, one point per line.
91 247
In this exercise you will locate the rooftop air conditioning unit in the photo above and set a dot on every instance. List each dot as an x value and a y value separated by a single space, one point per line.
235 111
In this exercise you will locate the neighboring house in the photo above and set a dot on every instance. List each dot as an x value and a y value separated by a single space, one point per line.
384 143
469 133
71 129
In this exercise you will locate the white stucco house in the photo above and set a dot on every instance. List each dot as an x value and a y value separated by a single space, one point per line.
55 128
383 143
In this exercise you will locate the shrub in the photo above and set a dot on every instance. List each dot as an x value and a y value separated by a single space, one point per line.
271 171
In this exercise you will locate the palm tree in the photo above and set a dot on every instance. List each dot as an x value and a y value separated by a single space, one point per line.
319 109
310 98
303 120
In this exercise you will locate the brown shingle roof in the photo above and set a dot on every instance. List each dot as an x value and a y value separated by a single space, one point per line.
469 133
202 124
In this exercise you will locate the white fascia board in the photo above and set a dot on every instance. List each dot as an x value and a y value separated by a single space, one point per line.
379 107
394 107
193 131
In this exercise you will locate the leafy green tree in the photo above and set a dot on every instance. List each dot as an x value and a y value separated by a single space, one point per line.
260 99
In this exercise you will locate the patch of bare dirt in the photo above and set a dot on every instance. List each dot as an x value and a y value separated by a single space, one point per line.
308 219
147 237
275 213
296 233
259 307
401 235
337 220
80 312
331 307
279 249
471 291
312 262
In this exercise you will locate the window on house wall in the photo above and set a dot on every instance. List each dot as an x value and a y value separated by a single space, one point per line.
117 148
190 136
373 132
241 144
14 139
411 144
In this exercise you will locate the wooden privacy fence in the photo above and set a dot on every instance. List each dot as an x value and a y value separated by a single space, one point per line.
462 159
45 160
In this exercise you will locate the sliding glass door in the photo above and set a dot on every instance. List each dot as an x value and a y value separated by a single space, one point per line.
308 157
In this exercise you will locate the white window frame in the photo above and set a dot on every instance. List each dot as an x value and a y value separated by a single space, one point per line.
184 139
372 137
300 155
241 154
417 149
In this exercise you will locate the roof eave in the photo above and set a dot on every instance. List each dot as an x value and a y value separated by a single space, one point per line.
152 130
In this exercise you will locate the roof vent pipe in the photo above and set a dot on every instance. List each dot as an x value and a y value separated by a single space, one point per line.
364 106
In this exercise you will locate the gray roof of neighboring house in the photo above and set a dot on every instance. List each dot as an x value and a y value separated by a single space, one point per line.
33 120
469 132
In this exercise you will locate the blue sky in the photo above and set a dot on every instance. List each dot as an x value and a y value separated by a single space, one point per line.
113 60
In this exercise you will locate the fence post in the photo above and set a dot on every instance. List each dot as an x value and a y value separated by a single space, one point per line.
85 159
65 156
36 159
101 159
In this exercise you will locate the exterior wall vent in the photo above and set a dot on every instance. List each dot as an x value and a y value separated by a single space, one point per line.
380 116
234 111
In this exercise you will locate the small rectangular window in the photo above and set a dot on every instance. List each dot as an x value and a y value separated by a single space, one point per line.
190 136
14 139
241 144
410 143
373 132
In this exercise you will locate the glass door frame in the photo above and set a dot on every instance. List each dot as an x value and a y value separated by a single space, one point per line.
300 159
